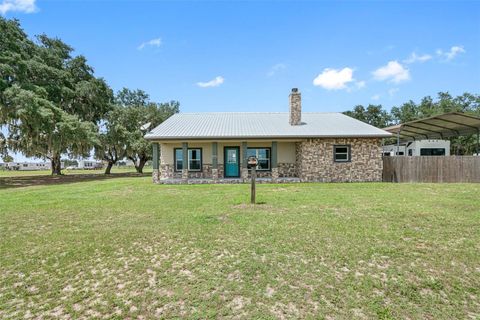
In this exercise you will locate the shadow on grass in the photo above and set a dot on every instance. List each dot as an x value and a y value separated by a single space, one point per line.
27 181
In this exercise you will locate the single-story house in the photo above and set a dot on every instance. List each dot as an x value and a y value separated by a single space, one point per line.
214 147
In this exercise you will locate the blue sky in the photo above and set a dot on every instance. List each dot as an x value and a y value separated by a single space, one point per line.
247 55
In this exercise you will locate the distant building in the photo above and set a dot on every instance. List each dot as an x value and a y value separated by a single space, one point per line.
90 164
28 166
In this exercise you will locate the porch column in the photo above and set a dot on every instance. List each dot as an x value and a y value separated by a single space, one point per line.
273 161
244 161
214 161
185 161
155 162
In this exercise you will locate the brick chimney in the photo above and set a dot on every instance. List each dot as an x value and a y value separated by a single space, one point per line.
295 101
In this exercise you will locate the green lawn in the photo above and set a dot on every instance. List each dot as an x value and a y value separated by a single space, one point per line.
15 173
125 248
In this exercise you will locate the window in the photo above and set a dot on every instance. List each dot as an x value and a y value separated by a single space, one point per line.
194 159
263 156
194 162
341 153
432 152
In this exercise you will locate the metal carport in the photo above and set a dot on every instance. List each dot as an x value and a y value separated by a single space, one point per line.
441 126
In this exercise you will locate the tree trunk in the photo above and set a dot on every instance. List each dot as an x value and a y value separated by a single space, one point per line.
109 167
141 164
56 165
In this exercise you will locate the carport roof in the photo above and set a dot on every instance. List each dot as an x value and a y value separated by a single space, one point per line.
442 126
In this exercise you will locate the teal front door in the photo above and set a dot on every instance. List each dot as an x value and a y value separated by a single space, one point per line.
232 162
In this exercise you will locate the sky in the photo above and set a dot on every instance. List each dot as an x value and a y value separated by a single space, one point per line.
247 55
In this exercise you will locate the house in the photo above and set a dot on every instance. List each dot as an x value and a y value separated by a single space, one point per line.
214 147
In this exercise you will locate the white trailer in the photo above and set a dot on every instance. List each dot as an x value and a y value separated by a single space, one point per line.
90 165
28 166
419 148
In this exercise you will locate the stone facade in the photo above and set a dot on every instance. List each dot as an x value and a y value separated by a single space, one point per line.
204 174
287 170
315 160
156 176
295 102
166 172
313 163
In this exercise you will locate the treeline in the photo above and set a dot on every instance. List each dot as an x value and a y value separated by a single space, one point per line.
52 104
428 107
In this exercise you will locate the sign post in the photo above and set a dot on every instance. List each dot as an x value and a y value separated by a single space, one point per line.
252 164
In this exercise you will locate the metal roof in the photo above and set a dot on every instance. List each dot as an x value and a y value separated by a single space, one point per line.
442 126
241 125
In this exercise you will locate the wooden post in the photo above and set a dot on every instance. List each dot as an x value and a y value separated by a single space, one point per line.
252 162
252 189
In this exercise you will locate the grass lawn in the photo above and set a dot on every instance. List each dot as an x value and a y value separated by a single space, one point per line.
15 173
125 248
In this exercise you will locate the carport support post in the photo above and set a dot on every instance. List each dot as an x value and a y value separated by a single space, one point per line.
244 161
398 140
215 161
155 162
184 162
478 142
274 161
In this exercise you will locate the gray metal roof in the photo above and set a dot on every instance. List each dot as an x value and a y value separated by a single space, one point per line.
452 124
240 125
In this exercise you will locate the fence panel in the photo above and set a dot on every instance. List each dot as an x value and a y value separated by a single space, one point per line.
431 169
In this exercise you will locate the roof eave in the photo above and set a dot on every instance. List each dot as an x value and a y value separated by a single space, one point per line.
386 135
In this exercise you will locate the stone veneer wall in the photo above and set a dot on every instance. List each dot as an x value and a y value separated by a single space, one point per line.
167 172
315 160
205 173
285 170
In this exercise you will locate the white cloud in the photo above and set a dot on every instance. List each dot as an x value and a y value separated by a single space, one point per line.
417 58
452 53
333 79
25 6
212 83
375 97
276 69
392 91
393 72
360 84
157 42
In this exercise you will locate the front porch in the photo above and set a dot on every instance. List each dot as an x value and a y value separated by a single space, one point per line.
222 162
